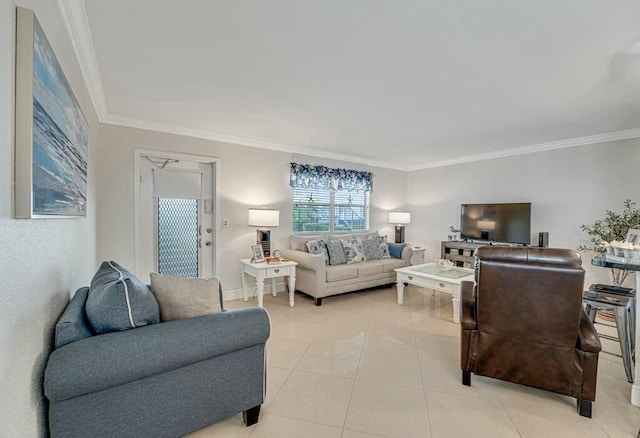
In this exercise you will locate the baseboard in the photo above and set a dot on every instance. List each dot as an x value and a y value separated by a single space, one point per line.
635 395
237 294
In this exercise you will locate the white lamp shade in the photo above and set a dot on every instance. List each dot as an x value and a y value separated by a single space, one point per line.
262 217
399 217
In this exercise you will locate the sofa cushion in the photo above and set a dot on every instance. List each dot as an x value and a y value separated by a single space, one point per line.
353 251
372 249
185 297
392 263
340 236
343 272
118 300
370 268
73 325
318 247
299 243
395 249
367 235
336 252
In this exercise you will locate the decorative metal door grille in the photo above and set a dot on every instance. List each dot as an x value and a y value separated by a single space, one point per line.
178 237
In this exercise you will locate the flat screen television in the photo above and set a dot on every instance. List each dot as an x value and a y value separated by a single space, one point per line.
509 223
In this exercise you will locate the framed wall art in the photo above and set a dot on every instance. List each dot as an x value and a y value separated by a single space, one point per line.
51 133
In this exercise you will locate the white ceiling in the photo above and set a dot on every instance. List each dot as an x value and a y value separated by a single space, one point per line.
404 84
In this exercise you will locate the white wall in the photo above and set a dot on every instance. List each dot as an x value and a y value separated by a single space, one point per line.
42 261
249 177
567 188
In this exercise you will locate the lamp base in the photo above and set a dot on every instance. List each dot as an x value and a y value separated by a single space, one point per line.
264 240
399 233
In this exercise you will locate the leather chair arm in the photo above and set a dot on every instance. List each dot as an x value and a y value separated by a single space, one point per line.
468 304
588 339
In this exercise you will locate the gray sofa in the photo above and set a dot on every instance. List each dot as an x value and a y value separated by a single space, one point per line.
160 380
319 280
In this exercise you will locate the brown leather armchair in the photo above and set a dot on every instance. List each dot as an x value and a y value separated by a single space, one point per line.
522 321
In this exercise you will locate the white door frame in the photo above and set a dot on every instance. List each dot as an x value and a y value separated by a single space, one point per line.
214 161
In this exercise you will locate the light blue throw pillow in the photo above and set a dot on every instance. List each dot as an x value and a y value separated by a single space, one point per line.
395 249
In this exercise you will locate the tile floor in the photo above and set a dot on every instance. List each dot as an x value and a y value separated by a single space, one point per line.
362 366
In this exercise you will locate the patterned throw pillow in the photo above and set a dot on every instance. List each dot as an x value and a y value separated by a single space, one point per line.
318 247
336 252
372 249
382 240
353 251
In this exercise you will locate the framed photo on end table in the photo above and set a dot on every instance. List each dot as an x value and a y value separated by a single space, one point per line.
258 253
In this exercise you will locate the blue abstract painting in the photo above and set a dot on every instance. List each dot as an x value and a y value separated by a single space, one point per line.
60 138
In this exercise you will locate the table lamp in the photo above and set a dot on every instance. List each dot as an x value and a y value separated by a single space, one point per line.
263 218
400 218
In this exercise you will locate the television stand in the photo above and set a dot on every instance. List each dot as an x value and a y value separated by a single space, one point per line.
461 253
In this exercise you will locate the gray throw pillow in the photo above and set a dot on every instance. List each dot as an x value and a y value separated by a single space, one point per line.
72 325
118 300
185 297
372 249
336 252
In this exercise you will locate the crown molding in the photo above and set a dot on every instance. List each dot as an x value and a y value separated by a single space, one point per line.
531 149
75 18
131 122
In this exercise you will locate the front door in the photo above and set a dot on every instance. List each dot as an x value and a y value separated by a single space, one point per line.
176 226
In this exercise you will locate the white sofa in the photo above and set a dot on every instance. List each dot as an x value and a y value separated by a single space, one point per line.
315 278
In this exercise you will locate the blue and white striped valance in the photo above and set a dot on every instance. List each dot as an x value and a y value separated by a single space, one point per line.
321 177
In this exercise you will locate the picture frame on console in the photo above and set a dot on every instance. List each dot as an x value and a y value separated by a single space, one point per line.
633 237
258 253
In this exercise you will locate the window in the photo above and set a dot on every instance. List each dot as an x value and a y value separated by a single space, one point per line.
328 210
326 199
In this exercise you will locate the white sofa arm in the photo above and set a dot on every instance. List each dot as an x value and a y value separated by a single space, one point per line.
407 253
314 262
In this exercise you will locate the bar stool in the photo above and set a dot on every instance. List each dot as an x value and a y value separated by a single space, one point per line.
624 308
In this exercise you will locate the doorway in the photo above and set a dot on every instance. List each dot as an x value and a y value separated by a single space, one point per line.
176 213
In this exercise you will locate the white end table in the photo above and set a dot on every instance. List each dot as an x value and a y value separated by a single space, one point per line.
262 271
418 255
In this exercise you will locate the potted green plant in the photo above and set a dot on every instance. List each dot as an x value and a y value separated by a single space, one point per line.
613 227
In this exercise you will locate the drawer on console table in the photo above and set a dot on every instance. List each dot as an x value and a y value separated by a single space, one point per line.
277 271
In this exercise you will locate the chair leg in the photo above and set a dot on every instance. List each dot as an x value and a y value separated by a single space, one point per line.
250 416
584 408
317 301
466 378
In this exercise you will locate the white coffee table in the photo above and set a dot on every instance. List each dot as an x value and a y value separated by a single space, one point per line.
262 271
434 277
